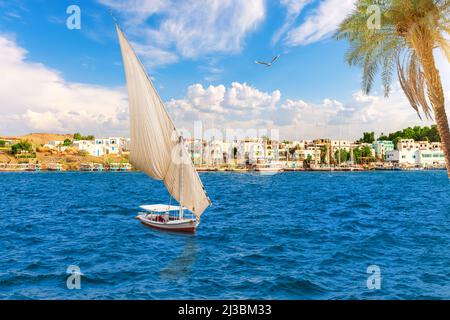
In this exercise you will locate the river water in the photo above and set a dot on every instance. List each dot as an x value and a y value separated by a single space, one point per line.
299 235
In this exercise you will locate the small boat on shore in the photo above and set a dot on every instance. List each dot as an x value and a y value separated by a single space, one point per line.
54 166
268 168
125 167
14 167
98 167
238 169
34 167
87 167
158 149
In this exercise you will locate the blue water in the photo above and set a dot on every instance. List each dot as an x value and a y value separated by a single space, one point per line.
288 236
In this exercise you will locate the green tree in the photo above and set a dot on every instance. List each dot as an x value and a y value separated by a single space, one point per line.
417 133
323 153
434 134
2 143
362 155
78 136
344 156
368 137
307 161
410 31
235 152
21 146
67 142
357 155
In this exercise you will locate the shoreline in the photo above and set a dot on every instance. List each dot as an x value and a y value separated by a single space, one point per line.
234 171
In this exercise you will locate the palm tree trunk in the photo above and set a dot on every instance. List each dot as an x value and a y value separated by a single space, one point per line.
436 97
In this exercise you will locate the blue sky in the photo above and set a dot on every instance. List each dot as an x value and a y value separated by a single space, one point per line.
201 59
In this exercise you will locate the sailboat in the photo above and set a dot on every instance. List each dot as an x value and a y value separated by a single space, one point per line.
157 149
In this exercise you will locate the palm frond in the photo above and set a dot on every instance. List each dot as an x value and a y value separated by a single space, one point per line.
412 82
370 68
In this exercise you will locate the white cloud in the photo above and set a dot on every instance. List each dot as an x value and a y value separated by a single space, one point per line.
239 102
137 11
241 106
191 28
34 97
321 23
153 56
444 68
293 10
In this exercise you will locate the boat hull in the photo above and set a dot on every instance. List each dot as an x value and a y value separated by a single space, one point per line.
188 225
268 171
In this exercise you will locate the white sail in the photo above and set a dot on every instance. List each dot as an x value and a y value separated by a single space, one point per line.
155 144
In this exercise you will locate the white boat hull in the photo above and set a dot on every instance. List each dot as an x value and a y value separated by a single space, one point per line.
185 225
268 171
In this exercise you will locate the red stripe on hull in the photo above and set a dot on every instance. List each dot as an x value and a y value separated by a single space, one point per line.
190 230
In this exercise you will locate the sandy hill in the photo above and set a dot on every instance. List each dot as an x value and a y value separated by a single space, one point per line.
42 138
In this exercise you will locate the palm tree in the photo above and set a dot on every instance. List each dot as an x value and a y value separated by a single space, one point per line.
410 31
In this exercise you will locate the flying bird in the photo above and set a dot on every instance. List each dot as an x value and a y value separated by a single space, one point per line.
269 64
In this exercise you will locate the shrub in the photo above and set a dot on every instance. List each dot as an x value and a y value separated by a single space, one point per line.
21 146
78 136
67 142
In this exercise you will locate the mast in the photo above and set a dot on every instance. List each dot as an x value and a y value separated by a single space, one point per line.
181 177
339 153
329 154
351 155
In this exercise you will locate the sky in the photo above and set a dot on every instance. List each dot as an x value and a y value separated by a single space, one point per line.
201 57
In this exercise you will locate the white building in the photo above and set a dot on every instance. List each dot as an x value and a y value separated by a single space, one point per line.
381 147
431 157
402 157
217 152
420 153
110 145
196 149
310 152
406 144
54 144
416 157
90 147
340 144
101 147
251 149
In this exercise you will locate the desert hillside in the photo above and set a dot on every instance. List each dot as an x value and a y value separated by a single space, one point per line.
70 158
41 138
